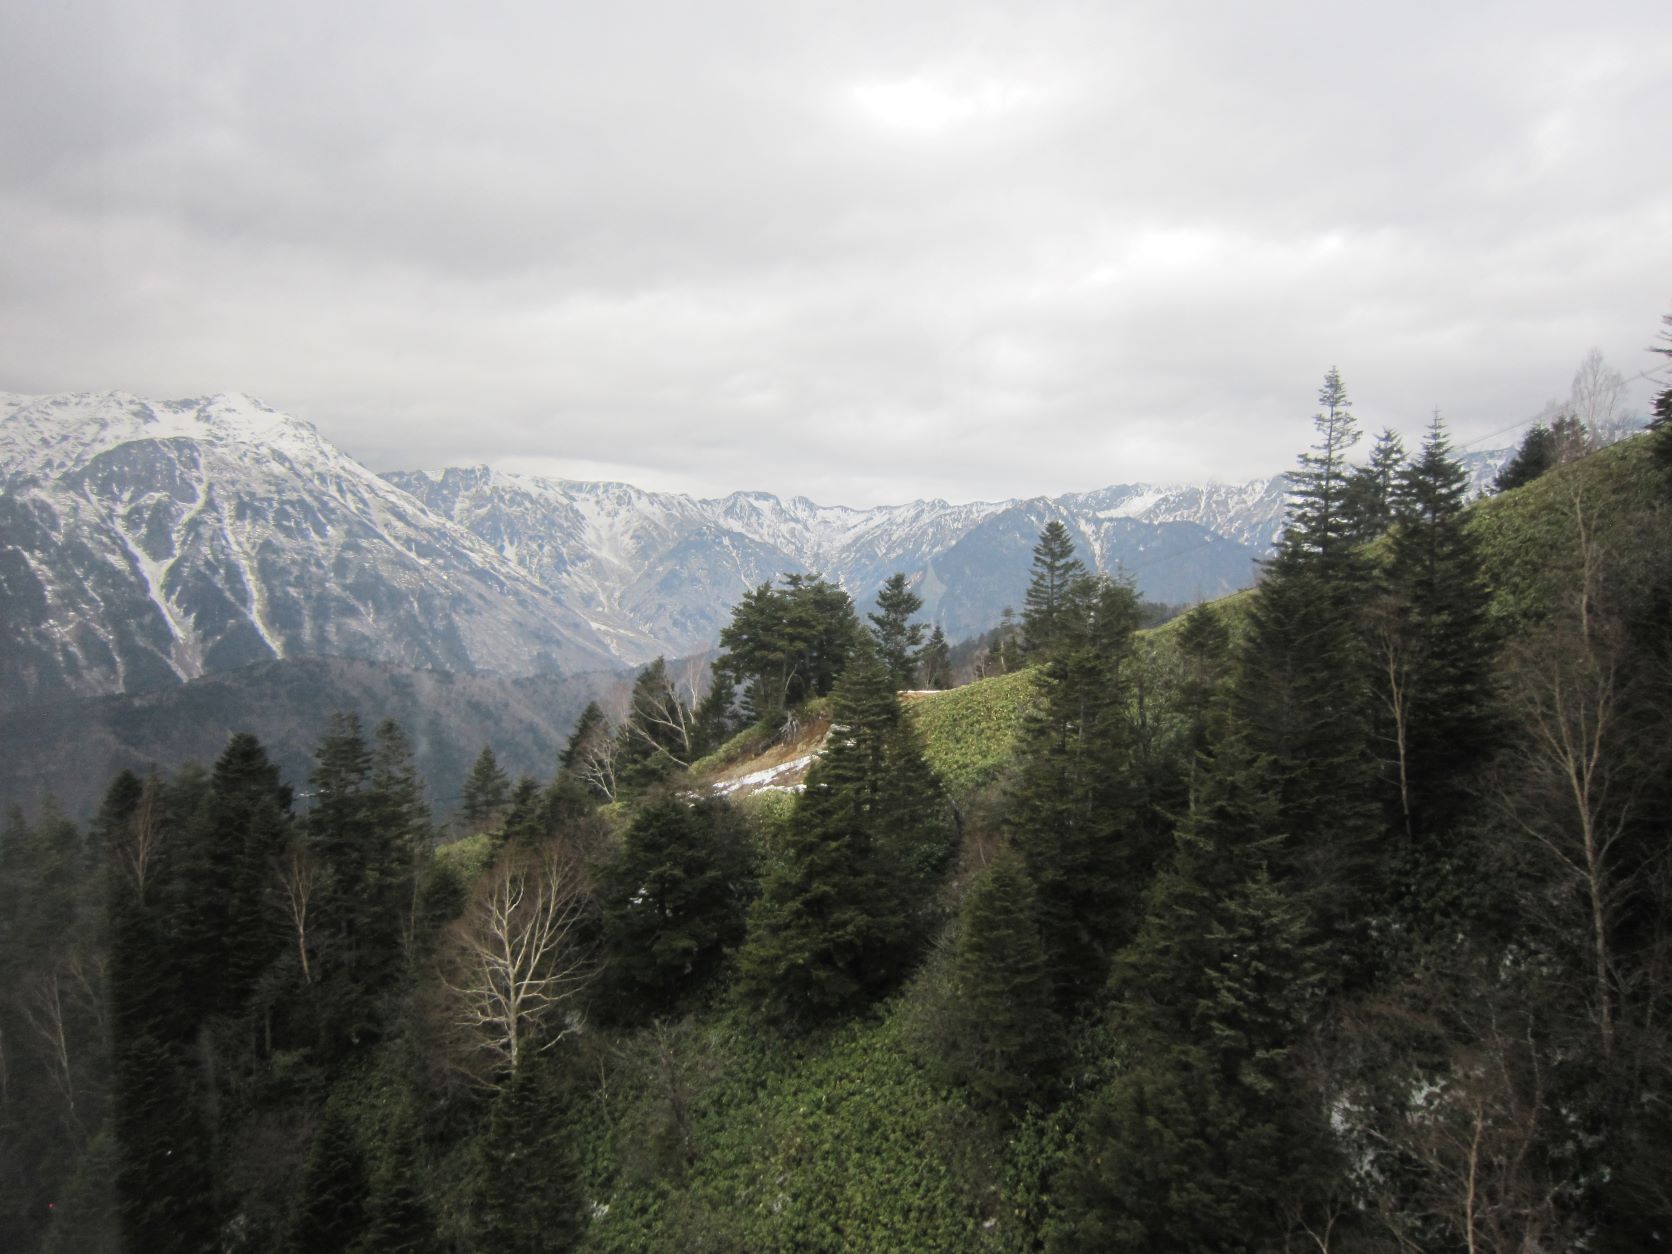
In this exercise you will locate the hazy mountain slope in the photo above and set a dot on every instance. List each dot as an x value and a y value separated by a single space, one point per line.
149 543
72 749
675 565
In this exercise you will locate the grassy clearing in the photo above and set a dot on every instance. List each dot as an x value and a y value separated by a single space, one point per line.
840 1143
1529 537
969 733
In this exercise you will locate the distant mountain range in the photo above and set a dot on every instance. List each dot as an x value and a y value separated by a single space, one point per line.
146 543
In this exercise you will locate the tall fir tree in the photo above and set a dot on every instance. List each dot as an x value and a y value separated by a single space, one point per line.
999 1032
1055 585
1303 693
1204 648
226 854
659 734
1075 811
166 1196
786 645
1320 521
840 914
1433 644
1200 1140
934 662
331 1209
1371 488
1536 454
486 790
897 637
525 1187
1660 423
587 725
363 869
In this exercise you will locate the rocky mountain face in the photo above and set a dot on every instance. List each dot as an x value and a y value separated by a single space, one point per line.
675 565
144 544
148 543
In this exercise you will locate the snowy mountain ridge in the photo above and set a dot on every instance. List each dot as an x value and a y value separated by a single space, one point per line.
148 542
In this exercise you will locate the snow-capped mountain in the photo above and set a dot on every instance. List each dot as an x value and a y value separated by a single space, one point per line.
675 565
146 543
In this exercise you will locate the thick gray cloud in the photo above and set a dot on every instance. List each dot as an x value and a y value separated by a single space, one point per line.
860 252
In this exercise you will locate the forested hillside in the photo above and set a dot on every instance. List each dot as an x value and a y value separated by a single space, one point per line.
1334 916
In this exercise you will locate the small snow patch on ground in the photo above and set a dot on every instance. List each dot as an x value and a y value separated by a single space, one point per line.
759 781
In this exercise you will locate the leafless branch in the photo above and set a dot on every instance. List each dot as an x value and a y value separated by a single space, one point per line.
519 960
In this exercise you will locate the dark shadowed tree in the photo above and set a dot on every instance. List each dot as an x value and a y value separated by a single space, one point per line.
486 790
1431 646
673 902
999 1032
840 914
934 662
1536 455
1075 808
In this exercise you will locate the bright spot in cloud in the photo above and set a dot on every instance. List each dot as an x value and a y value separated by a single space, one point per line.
925 106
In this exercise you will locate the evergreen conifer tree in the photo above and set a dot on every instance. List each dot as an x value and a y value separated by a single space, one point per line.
528 814
1204 644
525 1183
1198 1141
399 1216
1055 586
223 866
364 886
332 1206
1303 694
934 662
589 724
1660 424
659 734
398 790
1001 1035
1372 486
1320 522
1075 810
1433 644
897 637
1536 455
837 920
786 645
486 790
165 1187
589 762
673 902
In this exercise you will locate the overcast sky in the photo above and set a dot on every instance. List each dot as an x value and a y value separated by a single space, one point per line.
860 252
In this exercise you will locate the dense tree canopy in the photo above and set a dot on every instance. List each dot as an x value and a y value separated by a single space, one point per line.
784 645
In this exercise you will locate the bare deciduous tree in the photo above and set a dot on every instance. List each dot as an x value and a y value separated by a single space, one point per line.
1395 655
1575 789
298 877
1595 401
595 760
140 838
518 959
44 1011
660 719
